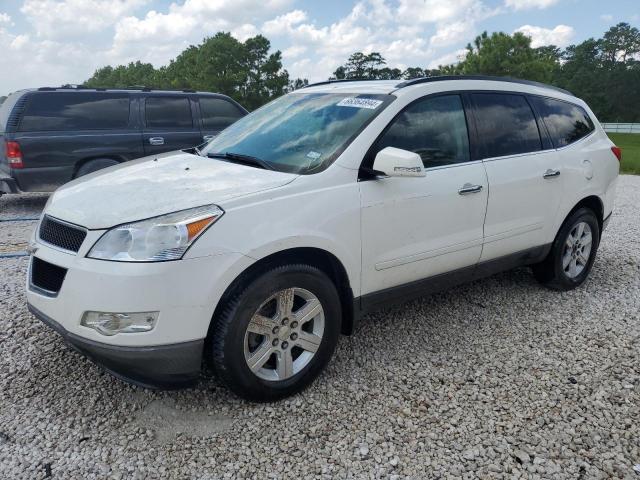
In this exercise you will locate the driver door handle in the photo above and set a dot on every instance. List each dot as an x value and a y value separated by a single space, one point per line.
550 173
469 188
156 141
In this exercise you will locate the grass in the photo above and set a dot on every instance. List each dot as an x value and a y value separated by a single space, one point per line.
630 145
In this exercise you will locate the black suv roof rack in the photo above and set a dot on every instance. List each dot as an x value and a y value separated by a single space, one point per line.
442 78
140 88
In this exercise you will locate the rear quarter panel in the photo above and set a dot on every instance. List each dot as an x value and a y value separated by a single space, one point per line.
590 169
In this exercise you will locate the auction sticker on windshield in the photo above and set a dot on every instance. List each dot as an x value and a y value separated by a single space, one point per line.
369 103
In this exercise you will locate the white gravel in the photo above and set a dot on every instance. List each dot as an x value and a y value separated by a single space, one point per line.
497 379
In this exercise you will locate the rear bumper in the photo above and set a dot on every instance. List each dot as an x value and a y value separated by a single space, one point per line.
162 366
8 184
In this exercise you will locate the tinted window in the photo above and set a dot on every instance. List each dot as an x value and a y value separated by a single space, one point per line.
168 112
217 113
75 111
434 128
506 124
566 122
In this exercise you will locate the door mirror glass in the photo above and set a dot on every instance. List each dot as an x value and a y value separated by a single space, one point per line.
395 162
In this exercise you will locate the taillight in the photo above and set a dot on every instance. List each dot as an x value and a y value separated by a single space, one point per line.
617 151
14 154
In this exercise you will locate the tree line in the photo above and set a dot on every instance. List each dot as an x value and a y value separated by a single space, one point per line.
605 72
245 71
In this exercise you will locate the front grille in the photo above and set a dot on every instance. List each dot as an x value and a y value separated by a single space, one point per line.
60 234
47 276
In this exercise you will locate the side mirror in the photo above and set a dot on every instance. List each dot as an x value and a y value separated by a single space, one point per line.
395 162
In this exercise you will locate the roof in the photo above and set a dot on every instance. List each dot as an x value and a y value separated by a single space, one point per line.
389 86
82 88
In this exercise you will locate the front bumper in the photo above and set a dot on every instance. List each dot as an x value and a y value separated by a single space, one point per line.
162 366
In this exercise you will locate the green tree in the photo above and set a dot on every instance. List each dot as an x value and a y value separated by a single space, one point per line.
501 54
362 66
245 71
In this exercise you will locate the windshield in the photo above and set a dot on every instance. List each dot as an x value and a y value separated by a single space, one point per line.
300 133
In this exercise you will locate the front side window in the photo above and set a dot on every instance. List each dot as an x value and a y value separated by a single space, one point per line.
566 122
300 132
56 111
217 113
435 128
168 112
506 124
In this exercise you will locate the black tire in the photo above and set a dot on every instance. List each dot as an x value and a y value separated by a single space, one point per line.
550 271
95 165
230 325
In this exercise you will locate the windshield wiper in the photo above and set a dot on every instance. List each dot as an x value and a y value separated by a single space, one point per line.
244 159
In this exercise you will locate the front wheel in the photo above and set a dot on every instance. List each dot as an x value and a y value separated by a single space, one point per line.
572 254
275 336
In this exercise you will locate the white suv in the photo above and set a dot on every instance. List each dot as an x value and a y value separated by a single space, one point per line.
256 251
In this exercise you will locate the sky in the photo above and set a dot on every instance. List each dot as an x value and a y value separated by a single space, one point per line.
54 42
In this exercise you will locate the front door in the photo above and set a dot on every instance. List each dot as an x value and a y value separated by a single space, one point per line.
413 228
169 124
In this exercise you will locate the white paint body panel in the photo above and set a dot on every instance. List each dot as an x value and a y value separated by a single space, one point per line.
384 232
414 228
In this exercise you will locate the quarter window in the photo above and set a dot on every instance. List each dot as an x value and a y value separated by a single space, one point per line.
217 114
435 128
506 124
566 122
168 112
55 111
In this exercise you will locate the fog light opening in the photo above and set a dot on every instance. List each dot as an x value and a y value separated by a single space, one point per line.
111 323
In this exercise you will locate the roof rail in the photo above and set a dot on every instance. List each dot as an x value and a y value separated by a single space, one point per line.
441 78
140 88
343 80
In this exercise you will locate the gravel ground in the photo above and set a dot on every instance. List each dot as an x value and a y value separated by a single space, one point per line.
496 379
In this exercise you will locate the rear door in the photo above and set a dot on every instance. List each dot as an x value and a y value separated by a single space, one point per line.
217 114
525 182
169 123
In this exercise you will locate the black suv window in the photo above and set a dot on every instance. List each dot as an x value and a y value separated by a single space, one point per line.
75 111
435 128
217 113
168 112
506 124
566 122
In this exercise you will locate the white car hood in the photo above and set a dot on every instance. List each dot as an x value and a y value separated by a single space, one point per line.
157 185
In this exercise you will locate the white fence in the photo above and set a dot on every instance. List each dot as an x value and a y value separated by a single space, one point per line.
621 127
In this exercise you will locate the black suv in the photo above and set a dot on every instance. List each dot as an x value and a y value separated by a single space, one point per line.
49 136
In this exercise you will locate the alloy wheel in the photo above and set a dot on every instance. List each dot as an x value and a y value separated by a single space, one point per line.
284 334
577 250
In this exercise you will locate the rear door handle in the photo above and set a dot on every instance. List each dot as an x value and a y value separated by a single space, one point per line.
156 141
551 173
468 188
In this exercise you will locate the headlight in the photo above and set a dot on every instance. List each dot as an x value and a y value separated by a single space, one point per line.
157 239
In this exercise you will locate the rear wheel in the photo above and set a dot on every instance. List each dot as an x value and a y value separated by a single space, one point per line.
572 253
275 336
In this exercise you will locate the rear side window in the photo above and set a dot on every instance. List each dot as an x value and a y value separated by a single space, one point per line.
54 111
168 112
566 122
217 113
435 128
506 124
